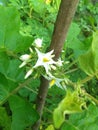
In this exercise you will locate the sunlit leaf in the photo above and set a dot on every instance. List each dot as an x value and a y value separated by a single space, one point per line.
89 61
95 49
50 127
86 62
72 103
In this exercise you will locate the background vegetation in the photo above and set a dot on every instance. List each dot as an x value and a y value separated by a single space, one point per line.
22 21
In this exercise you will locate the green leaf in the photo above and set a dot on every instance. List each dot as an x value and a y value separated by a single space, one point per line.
72 40
10 68
4 62
6 86
68 126
5 121
86 62
38 6
50 127
73 32
23 114
72 103
87 120
14 72
89 61
10 38
58 117
95 49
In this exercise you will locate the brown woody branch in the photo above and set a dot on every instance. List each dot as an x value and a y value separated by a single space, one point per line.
63 21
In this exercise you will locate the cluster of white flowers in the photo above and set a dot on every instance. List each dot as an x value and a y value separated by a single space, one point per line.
43 59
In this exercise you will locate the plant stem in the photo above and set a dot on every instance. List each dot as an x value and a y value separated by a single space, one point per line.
91 97
63 21
88 78
16 90
42 93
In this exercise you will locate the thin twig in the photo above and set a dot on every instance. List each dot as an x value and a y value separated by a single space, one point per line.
88 78
91 97
16 90
31 90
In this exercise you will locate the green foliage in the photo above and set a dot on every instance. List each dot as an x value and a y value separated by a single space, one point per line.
13 42
89 21
38 6
21 22
67 126
5 120
13 72
50 127
6 86
89 61
37 18
86 120
23 113
73 41
4 62
6 67
72 103
95 49
10 37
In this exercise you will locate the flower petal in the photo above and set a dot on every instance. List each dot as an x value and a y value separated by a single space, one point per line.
28 73
23 64
25 57
38 42
45 60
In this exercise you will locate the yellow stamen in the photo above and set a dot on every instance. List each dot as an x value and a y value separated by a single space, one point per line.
52 82
45 59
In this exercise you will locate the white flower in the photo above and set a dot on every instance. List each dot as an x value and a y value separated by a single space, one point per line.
59 62
31 50
57 81
38 42
53 67
45 60
22 64
25 58
28 73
